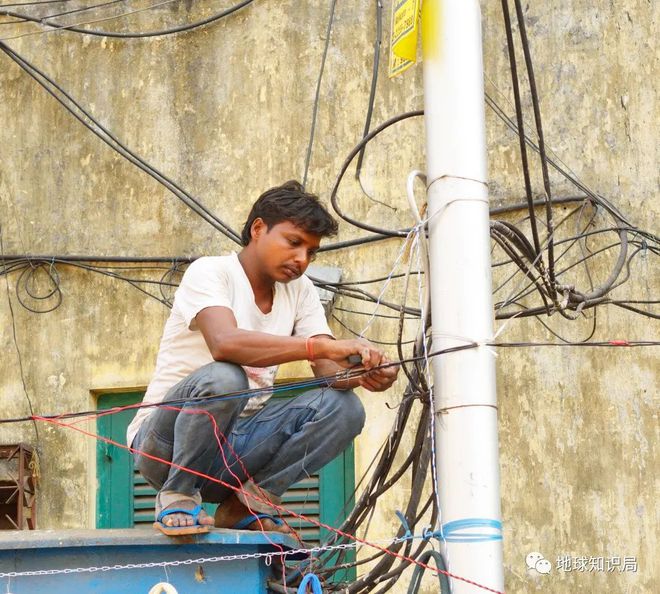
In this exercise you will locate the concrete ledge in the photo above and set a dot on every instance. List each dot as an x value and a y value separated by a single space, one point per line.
27 539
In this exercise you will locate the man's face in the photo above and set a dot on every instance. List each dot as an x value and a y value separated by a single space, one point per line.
285 251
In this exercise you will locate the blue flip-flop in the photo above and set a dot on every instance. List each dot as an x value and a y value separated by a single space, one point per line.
247 520
196 528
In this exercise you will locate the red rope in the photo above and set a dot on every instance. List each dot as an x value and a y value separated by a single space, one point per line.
220 437
269 503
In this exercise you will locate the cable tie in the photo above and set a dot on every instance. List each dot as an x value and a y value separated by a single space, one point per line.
408 534
427 533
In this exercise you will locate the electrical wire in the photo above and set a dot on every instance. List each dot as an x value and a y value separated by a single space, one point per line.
307 383
113 142
317 94
520 123
56 28
374 82
44 19
347 162
34 3
18 350
541 141
137 34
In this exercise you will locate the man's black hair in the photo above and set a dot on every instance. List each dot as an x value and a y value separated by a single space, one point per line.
290 202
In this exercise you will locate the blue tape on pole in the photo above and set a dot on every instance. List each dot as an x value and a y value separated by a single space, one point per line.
311 580
456 531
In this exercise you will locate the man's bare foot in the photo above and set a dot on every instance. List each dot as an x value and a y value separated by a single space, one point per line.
231 511
180 519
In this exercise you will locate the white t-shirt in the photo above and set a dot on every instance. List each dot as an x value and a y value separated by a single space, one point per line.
221 281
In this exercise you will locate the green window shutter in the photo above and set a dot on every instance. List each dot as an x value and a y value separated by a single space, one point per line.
304 498
144 501
114 465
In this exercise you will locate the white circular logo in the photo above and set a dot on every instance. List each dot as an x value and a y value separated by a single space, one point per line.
538 563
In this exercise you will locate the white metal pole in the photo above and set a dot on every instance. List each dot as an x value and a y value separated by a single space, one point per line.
461 301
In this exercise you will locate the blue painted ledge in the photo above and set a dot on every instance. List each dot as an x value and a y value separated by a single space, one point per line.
22 551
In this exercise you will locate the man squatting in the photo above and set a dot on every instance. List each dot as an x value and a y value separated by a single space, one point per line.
234 319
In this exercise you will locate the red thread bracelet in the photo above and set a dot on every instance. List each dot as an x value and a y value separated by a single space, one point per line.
309 347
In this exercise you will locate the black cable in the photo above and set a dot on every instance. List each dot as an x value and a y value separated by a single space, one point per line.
44 18
80 258
370 281
368 313
497 210
34 3
18 350
612 344
522 29
324 248
338 245
27 276
608 284
502 237
317 94
541 277
493 211
624 305
365 296
248 393
369 497
606 204
374 82
640 301
18 262
113 142
577 298
520 123
372 340
356 149
136 35
29 267
418 573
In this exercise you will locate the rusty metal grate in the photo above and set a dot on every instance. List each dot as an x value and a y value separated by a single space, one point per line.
18 481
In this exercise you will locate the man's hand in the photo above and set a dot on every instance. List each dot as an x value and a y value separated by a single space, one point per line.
340 350
379 380
327 349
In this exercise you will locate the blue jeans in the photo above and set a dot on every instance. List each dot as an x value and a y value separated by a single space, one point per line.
284 442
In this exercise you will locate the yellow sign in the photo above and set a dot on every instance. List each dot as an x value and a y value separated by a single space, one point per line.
403 40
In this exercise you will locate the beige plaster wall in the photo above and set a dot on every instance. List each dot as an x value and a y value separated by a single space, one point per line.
226 112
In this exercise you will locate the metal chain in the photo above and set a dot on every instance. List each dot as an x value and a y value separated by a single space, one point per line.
241 557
